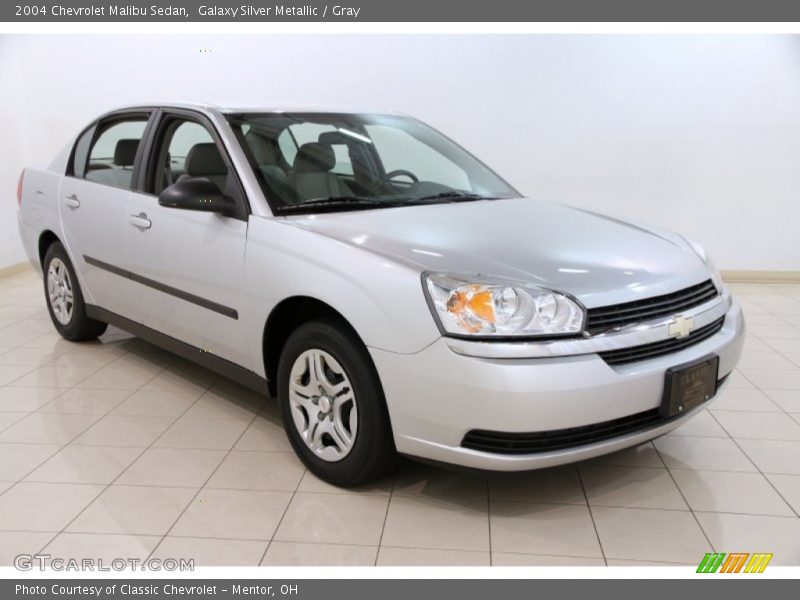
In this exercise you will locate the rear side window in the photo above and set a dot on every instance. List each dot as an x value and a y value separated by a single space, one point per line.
113 152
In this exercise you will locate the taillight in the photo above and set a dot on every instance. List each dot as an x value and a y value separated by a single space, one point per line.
19 188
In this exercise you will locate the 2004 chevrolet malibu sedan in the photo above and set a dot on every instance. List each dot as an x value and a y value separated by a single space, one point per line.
396 295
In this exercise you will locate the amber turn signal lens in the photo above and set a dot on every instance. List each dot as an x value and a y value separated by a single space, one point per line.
479 302
482 305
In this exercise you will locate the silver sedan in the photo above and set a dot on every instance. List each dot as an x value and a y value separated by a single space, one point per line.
393 293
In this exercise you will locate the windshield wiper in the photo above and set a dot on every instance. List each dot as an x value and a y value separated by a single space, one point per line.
337 203
454 196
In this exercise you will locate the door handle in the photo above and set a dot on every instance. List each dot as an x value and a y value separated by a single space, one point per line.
140 221
72 201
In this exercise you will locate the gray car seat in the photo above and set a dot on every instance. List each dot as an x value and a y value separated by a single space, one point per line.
204 160
267 159
312 177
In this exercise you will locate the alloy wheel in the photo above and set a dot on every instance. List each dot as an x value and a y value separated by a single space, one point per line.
323 405
59 291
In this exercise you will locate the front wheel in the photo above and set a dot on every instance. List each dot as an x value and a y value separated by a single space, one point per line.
333 407
65 298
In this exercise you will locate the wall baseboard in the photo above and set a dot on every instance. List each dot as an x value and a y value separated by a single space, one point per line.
761 276
15 269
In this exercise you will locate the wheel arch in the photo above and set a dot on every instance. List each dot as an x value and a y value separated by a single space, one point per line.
287 316
46 239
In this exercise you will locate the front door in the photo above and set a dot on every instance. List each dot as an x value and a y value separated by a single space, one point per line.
188 264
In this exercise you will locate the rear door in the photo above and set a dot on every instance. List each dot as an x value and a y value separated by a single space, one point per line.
189 264
93 203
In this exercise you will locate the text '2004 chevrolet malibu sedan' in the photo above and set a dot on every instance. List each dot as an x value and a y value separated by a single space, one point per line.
395 294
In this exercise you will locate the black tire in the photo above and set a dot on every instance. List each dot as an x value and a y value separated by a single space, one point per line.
373 453
79 327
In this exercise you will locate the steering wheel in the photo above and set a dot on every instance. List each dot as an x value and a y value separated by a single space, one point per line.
397 173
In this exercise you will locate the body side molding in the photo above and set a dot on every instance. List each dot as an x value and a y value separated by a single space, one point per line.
161 287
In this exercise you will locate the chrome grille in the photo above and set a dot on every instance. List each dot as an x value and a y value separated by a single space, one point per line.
604 318
656 349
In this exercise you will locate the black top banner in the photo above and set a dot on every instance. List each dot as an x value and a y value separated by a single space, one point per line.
401 11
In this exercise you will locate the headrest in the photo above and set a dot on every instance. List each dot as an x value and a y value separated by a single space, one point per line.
205 159
314 158
125 153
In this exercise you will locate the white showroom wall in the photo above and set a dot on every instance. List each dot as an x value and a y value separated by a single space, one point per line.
700 134
15 150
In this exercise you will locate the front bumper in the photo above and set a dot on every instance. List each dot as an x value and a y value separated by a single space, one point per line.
437 395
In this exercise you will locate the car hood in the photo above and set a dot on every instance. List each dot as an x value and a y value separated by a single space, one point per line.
599 259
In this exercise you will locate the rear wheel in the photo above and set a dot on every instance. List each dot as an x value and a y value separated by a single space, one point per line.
65 299
333 406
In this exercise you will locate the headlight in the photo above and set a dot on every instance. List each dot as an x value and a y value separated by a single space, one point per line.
480 306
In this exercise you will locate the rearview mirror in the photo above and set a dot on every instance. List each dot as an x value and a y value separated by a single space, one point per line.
197 193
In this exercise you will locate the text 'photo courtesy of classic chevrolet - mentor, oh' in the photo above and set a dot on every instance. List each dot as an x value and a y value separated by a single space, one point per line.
395 294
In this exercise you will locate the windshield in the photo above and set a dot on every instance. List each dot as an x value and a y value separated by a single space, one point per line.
326 161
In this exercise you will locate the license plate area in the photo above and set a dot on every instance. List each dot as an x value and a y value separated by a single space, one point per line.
688 385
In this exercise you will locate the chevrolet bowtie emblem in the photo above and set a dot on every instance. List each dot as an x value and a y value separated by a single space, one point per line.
681 327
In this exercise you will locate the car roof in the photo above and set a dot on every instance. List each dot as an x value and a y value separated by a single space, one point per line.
252 109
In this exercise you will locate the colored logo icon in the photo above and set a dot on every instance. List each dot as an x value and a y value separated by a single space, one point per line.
734 562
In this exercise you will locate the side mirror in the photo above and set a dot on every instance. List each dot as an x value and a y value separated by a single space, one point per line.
197 193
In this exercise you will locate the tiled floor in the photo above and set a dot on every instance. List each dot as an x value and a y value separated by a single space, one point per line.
117 448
